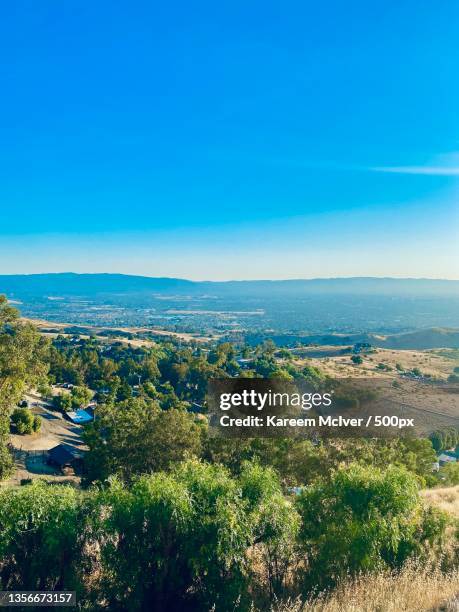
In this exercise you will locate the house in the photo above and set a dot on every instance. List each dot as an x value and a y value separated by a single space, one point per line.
447 457
244 362
64 455
196 408
91 409
104 390
79 417
295 490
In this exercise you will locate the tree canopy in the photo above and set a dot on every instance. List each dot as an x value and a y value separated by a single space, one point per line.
23 361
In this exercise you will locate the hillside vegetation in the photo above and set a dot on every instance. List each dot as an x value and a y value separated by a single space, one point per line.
414 589
164 516
446 498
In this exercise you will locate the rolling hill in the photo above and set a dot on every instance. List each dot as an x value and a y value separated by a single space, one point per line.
70 283
354 307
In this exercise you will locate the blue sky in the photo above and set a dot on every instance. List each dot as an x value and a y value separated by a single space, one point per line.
230 140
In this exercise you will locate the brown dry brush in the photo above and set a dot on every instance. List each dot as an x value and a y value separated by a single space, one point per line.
413 589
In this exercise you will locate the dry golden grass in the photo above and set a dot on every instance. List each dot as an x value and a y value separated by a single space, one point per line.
428 362
446 498
412 590
94 331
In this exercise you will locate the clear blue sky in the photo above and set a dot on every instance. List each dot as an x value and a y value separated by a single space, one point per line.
230 139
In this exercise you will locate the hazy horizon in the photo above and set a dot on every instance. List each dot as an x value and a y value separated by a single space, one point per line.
203 280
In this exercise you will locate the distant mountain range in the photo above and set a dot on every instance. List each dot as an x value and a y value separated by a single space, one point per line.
72 284
285 309
422 339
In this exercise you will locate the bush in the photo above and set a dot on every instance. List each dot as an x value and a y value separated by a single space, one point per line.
180 541
363 519
77 398
197 538
449 474
36 423
25 422
6 462
384 367
80 396
313 376
63 402
38 537
275 524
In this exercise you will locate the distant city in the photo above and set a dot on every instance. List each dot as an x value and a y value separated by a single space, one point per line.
287 311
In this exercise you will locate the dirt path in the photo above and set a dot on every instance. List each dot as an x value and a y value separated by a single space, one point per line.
30 451
55 429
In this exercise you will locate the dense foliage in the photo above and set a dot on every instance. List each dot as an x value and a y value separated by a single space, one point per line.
196 537
24 422
169 518
137 437
23 362
363 519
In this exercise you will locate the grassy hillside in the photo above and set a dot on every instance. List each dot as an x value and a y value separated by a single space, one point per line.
446 498
412 590
419 340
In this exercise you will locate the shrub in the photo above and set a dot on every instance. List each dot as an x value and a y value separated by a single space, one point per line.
449 474
63 402
25 422
36 423
363 519
39 537
180 539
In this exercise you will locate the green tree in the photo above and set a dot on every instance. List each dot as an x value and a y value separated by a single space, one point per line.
363 519
449 474
444 439
314 376
222 354
22 362
25 422
63 402
284 353
81 396
39 537
137 437
175 436
274 521
173 541
45 390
